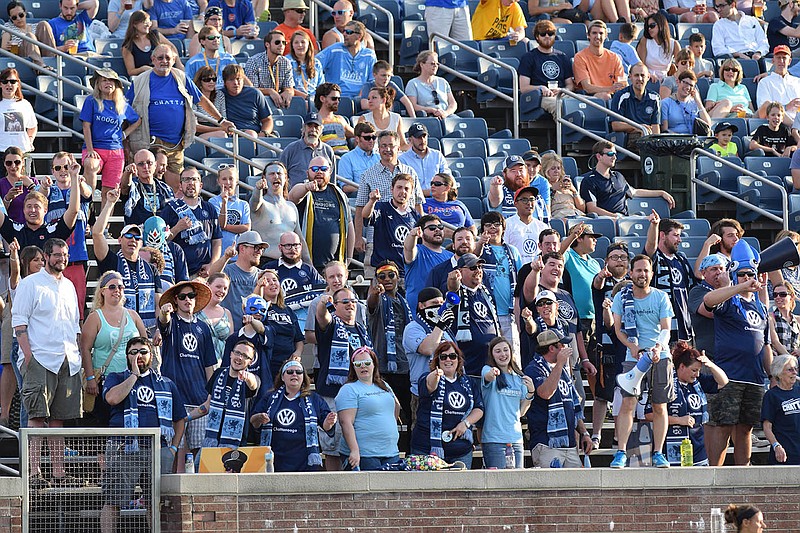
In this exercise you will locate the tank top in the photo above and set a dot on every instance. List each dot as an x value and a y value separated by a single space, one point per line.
334 136
657 61
140 57
394 120
220 331
106 338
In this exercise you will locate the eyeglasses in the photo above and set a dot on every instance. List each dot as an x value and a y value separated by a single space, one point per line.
685 62
133 236
791 369
182 296
6 82
476 267
386 275
340 12
145 163
609 154
350 32
279 42
13 162
720 6
746 274
207 79
347 301
619 257
362 364
438 184
140 351
688 84
526 200
213 37
164 58
114 286
780 294
369 137
434 227
319 168
544 303
547 33
256 247
652 25
20 16
450 355
291 245
493 225
294 372
59 168
242 355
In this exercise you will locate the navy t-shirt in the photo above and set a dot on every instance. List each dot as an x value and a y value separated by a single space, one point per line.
774 35
187 351
542 68
455 409
229 384
145 400
391 229
327 232
167 111
539 412
608 193
782 408
106 124
285 329
301 283
195 241
687 402
289 430
247 110
644 111
567 311
739 342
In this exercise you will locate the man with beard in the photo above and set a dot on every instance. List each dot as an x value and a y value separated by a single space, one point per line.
336 275
421 257
243 272
343 12
336 129
271 212
391 220
349 63
298 154
714 272
294 12
724 233
610 351
142 285
146 194
50 359
502 262
475 316
271 71
244 106
504 189
642 316
544 65
426 161
300 281
672 272
194 223
523 228
69 30
421 338
324 215
139 397
463 243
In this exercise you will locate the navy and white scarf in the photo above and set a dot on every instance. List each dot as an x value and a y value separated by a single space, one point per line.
437 408
463 331
140 289
310 420
339 364
557 427
194 234
629 315
152 200
163 398
226 413
387 308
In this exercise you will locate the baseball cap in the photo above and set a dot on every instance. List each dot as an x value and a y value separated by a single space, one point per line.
417 130
781 49
251 237
549 336
213 11
513 160
469 260
545 295
313 118
529 188
722 126
131 227
531 155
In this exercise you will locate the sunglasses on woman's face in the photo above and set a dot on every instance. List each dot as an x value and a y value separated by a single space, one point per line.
9 82
18 17
183 296
386 275
652 25
296 372
13 162
445 356
362 364
208 79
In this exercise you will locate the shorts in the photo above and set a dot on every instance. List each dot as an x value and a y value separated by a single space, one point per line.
124 471
543 456
6 336
606 379
49 395
736 403
195 431
174 154
660 380
112 162
330 445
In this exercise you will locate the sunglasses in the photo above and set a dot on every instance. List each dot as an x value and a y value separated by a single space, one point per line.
746 274
387 275
223 166
347 301
20 16
435 227
184 295
547 33
319 168
294 372
730 69
59 168
140 351
6 82
476 267
652 25
13 162
279 42
780 294
301 11
114 286
610 154
213 38
720 6
544 303
339 12
362 364
145 163
369 137
335 98
349 32
207 79
133 236
438 183
445 356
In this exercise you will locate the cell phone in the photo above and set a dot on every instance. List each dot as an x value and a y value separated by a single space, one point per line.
18 183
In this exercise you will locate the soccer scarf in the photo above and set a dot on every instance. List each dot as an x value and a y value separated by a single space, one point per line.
339 364
437 408
163 397
387 308
311 425
140 290
557 427
490 267
194 234
629 315
226 413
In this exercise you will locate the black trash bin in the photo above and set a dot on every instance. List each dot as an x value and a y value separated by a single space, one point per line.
665 164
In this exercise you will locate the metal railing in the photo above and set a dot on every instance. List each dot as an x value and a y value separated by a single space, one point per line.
314 17
513 98
561 121
5 468
699 152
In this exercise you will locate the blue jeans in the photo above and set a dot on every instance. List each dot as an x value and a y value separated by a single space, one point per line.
374 463
494 455
23 414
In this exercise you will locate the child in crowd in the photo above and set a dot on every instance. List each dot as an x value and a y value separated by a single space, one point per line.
623 47
382 72
725 146
702 67
233 212
774 138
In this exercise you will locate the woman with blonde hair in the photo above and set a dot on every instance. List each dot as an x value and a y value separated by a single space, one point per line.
444 203
428 92
306 68
565 201
217 317
727 97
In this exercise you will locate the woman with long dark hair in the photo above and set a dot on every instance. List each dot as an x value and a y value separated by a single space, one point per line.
20 124
657 49
140 40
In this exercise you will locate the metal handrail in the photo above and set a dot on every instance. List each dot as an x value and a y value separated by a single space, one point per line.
15 434
390 41
697 152
514 98
560 121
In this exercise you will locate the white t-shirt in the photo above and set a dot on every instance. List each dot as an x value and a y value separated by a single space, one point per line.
17 117
525 237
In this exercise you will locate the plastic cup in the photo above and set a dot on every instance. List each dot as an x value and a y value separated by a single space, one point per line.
188 23
73 49
741 113
15 49
758 10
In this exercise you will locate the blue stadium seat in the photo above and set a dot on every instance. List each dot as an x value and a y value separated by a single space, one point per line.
475 206
468 166
69 92
298 106
583 116
458 58
633 226
606 226
114 63
265 27
560 225
492 75
692 246
718 175
685 30
495 164
470 187
501 49
695 227
635 243
645 205
601 246
568 47
26 73
432 124
251 46
455 126
467 147
755 243
44 9
77 123
279 142
382 21
109 47
414 10
567 32
347 107
288 125
507 147
771 166
570 167
415 40
195 151
246 148
751 88
756 192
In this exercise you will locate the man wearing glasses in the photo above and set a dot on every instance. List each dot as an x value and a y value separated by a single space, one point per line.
343 12
738 35
336 129
146 195
544 68
210 40
271 72
605 190
194 223
523 228
349 63
426 161
298 154
422 257
353 164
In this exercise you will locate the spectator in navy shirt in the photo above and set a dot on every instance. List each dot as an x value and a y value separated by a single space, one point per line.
245 106
638 104
544 66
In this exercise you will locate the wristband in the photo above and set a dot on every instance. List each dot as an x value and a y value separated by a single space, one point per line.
173 448
775 445
529 396
220 121
585 360
90 377
188 417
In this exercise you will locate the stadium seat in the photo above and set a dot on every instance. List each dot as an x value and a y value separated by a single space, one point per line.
264 27
251 46
568 47
467 147
288 125
566 32
506 147
432 124
109 47
606 226
718 175
414 10
458 58
755 243
645 205
44 9
26 73
756 192
415 40
495 164
195 151
497 77
347 107
692 246
634 242
279 142
633 226
298 106
475 206
601 246
455 126
570 167
685 30
500 48
771 166
114 63
468 166
470 187
46 107
695 227
583 116
246 148
560 225
77 124
382 20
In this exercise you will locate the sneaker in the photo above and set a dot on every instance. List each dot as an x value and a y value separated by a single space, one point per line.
596 442
758 442
659 461
620 459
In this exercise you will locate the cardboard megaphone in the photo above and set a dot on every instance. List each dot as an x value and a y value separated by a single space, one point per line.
631 381
780 255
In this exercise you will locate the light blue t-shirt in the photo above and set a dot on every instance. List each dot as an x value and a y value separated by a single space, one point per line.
374 424
626 53
581 272
649 311
501 419
349 72
679 115
238 213
418 364
500 281
197 61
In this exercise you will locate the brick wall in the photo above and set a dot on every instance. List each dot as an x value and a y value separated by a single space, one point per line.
596 501
10 513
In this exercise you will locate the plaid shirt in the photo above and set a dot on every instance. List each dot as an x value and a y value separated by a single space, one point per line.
379 177
262 74
788 332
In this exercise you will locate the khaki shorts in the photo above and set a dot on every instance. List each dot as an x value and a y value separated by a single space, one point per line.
543 455
736 403
174 154
660 381
49 395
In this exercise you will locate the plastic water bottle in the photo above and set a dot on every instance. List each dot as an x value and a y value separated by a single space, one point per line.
587 463
687 453
717 521
189 465
634 461
510 463
269 462
555 463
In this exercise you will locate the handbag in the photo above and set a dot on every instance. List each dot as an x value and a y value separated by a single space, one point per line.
89 399
701 128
